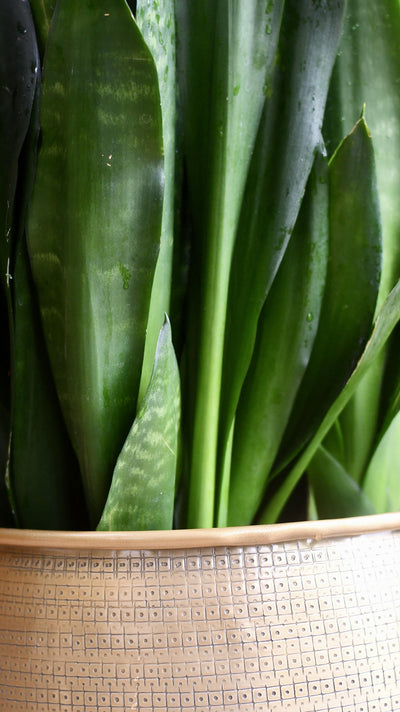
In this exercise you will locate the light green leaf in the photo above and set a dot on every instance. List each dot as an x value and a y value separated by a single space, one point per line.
225 59
142 491
382 482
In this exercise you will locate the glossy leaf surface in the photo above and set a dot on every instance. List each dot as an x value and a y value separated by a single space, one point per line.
288 138
142 491
367 71
227 51
352 285
286 332
94 223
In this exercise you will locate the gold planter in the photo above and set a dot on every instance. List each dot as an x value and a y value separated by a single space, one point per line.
257 619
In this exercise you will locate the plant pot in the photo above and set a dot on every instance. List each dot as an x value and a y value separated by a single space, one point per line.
285 617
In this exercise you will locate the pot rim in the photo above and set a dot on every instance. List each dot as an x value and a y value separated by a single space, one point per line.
198 538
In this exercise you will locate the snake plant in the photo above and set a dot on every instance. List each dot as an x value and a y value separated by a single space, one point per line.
199 261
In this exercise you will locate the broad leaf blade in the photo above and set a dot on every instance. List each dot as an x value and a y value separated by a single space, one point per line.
286 332
142 492
43 475
94 223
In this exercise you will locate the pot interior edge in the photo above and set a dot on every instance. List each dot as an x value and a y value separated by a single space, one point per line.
198 538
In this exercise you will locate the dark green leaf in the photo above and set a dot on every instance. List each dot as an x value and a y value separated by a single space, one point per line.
43 473
367 71
19 64
351 288
94 223
42 11
387 319
286 332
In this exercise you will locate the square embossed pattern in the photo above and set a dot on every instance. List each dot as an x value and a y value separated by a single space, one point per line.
308 626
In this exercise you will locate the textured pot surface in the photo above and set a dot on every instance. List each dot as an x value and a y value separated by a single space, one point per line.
290 617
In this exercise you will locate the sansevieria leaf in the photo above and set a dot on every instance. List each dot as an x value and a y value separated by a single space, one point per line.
157 24
287 328
367 71
289 135
19 66
43 476
19 71
381 482
142 491
335 492
226 55
386 321
43 472
352 285
94 223
42 11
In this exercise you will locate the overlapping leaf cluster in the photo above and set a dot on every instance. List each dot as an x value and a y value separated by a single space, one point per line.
199 261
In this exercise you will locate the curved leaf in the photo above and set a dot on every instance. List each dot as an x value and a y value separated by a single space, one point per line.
94 223
42 11
351 288
286 332
43 474
386 321
157 24
19 64
367 72
381 482
288 138
142 491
